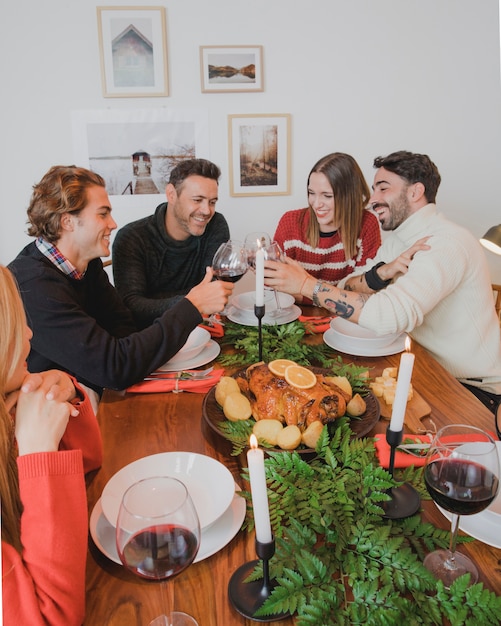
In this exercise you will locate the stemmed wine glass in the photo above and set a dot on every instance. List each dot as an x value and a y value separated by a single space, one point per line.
230 262
158 531
461 474
272 251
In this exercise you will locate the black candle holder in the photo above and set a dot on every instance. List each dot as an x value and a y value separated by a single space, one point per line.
248 597
259 313
405 500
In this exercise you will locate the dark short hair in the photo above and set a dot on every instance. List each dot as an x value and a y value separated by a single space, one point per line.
414 168
62 190
193 167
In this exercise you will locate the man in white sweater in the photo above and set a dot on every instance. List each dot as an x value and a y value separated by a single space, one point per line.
429 278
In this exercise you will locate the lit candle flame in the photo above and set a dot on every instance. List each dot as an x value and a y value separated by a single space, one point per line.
407 344
253 442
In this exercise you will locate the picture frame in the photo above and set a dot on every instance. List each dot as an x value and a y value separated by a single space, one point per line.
134 150
259 154
133 51
230 69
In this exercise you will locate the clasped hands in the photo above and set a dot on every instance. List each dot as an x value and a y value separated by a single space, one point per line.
42 410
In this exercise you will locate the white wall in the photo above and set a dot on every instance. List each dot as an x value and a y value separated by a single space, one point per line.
365 77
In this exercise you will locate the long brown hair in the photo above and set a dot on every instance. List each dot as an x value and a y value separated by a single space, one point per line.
12 332
351 196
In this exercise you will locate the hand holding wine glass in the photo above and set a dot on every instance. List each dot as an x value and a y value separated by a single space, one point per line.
158 530
462 476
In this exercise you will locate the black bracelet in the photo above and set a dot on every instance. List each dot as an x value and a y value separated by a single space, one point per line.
372 278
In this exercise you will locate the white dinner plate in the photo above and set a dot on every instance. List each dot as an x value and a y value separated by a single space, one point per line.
484 526
333 340
209 353
248 319
209 483
212 539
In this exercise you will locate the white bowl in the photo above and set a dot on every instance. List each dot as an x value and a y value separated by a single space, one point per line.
246 301
209 483
196 342
351 335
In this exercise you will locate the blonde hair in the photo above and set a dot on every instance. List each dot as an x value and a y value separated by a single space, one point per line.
351 196
12 332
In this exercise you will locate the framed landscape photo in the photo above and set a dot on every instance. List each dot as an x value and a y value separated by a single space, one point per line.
133 51
231 68
259 154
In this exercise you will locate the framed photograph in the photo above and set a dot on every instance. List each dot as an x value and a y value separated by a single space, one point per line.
259 154
231 68
133 50
134 150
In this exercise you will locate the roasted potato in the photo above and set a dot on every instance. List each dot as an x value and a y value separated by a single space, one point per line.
356 406
236 407
289 438
268 429
311 435
225 386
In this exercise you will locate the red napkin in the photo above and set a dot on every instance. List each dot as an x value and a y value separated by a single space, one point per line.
402 459
216 330
163 385
316 323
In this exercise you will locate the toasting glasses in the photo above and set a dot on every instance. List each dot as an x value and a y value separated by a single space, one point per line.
462 476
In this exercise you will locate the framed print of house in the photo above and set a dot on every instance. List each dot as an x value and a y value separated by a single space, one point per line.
133 51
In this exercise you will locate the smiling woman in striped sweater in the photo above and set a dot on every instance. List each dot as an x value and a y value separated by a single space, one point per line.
336 233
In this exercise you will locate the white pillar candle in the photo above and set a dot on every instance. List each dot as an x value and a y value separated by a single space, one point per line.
402 390
257 476
259 276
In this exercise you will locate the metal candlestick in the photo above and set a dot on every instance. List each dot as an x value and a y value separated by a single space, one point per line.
248 597
259 313
405 500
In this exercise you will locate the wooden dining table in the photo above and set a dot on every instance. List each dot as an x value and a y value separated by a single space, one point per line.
141 424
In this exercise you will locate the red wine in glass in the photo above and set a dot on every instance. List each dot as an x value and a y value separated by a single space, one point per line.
160 551
157 531
231 276
461 474
459 486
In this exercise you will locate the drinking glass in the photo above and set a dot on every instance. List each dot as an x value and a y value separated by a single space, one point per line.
158 531
461 474
230 261
273 252
253 241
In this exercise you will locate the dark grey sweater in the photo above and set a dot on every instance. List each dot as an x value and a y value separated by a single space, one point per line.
152 271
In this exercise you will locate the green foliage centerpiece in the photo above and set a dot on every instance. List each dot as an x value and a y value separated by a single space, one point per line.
339 561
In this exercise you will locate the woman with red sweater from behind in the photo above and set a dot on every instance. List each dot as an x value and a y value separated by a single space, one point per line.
49 437
336 232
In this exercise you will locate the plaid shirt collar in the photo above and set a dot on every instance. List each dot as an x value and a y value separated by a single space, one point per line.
54 255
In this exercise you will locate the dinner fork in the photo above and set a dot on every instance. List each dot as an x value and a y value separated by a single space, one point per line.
181 375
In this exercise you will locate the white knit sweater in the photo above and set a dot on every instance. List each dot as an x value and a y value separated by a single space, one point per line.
444 301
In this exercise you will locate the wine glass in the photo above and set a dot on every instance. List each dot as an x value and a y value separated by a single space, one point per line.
252 242
230 261
273 252
158 531
461 474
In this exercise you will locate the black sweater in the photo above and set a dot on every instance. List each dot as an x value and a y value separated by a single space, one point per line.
152 271
83 328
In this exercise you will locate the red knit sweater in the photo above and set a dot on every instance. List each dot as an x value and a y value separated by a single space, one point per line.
46 584
327 261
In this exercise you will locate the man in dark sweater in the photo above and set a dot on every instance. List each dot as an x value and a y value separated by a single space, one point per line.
158 259
79 322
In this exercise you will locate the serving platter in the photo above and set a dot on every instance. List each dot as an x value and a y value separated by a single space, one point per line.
213 414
